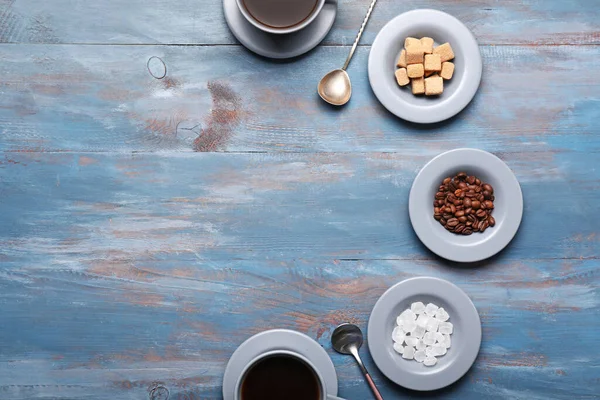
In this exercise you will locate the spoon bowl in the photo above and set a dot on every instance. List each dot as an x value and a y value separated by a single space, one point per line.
344 336
335 87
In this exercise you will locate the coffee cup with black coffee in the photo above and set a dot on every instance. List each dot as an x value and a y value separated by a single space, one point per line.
280 16
281 374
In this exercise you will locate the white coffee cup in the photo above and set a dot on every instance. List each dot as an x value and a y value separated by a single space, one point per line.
271 29
287 353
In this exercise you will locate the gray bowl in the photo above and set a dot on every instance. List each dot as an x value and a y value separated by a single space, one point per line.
508 206
458 91
466 338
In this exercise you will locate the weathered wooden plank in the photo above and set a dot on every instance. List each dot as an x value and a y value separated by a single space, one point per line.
202 22
113 329
102 98
75 209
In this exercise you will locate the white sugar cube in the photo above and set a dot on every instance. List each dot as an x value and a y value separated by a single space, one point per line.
446 327
442 315
420 356
408 325
411 341
429 338
439 338
429 351
447 341
421 345
409 353
432 325
417 308
398 348
430 361
438 350
431 309
407 315
418 332
422 320
398 335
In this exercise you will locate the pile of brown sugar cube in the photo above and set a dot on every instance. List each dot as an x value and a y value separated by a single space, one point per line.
425 66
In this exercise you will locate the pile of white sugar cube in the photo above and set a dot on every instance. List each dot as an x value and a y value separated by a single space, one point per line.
422 333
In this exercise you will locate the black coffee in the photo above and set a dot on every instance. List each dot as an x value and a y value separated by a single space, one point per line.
280 13
281 378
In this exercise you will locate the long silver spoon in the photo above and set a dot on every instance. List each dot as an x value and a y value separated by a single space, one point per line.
335 87
347 339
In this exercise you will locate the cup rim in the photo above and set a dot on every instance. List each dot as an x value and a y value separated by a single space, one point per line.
280 31
251 363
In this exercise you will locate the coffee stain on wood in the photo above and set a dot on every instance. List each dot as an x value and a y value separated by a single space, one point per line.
224 117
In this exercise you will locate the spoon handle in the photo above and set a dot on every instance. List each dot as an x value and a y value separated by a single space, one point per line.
360 32
373 387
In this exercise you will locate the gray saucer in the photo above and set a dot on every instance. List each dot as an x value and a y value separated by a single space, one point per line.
458 91
278 339
508 206
275 45
466 338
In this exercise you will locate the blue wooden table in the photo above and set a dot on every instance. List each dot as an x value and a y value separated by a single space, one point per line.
149 226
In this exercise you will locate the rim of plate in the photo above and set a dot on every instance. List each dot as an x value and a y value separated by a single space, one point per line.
461 89
508 210
466 338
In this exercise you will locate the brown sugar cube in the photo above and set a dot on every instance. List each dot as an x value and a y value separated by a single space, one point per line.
402 77
415 71
402 59
445 52
434 85
418 86
427 45
447 70
414 55
433 62
410 42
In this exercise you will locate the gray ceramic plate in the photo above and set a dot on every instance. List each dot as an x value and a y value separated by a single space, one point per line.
278 339
458 91
508 205
275 45
466 338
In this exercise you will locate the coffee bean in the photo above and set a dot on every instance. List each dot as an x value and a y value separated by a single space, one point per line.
452 222
468 210
489 204
462 219
481 213
488 188
461 175
462 185
475 204
477 182
467 203
442 221
446 181
469 223
459 214
467 231
452 208
459 228
470 180
447 216
491 221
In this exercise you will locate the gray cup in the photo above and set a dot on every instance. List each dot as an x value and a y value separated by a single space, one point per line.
322 386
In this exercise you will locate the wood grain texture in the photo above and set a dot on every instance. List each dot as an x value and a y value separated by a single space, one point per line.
102 98
149 226
202 22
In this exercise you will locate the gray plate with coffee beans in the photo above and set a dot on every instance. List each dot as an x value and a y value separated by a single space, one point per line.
465 205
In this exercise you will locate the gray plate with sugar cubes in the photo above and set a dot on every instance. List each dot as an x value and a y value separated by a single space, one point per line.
466 335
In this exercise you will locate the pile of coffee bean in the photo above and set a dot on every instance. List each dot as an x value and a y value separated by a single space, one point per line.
464 204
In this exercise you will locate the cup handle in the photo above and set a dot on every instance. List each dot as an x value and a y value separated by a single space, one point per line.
330 397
